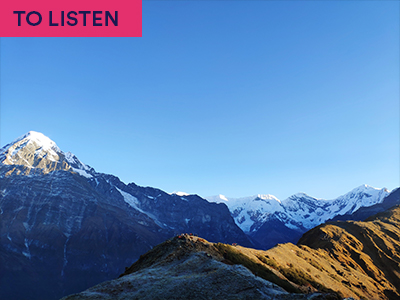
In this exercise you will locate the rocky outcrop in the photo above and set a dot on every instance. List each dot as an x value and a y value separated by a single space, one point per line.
188 267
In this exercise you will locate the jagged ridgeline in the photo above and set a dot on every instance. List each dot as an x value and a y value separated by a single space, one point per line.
343 259
65 227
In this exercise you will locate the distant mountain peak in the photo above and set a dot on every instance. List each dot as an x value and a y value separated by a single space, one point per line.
267 197
300 195
222 197
217 199
366 187
237 201
181 194
45 142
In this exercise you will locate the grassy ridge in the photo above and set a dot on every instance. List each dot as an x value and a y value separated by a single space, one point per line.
234 256
294 275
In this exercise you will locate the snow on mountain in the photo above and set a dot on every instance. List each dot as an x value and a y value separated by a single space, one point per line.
74 161
218 199
33 136
181 194
248 211
35 150
300 211
42 146
64 221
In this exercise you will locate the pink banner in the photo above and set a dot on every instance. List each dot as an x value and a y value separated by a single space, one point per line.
71 18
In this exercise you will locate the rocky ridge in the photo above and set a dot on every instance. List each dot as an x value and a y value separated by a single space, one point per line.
188 267
359 260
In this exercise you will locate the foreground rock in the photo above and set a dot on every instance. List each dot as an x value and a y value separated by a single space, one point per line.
360 260
188 267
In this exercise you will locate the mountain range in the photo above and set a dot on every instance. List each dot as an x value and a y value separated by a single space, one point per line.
65 227
268 221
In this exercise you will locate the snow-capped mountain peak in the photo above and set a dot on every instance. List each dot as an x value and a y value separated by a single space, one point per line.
217 199
180 194
238 201
42 140
361 196
35 150
300 195
29 149
222 197
247 211
365 188
267 197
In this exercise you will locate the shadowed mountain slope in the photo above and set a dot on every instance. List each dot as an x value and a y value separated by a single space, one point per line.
333 261
65 227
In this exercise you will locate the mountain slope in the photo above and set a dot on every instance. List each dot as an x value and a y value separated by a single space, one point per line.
372 247
341 259
65 227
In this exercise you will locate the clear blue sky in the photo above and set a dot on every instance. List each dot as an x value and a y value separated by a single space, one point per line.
221 97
